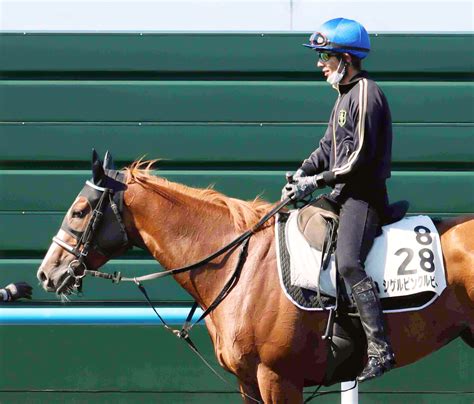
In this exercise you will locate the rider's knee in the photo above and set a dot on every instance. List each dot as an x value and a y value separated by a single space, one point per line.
351 271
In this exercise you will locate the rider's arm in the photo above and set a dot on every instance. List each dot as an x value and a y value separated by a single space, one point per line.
318 161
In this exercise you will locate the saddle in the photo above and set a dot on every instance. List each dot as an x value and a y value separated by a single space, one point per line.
315 219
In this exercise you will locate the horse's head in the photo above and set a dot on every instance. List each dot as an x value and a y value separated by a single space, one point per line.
91 233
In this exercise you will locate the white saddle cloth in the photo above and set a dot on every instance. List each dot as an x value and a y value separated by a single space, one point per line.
406 259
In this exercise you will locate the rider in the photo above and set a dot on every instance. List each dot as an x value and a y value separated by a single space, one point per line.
354 158
15 291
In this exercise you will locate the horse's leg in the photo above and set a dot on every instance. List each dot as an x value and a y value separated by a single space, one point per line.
250 393
275 388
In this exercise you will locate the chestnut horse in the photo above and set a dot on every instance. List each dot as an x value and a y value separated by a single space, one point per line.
270 345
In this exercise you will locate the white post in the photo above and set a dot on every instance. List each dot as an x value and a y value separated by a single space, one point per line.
349 396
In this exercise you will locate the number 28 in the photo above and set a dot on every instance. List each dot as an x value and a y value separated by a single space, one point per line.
426 255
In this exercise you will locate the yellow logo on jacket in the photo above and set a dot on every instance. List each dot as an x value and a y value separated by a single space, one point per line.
342 117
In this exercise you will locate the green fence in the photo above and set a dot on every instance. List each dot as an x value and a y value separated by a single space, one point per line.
234 110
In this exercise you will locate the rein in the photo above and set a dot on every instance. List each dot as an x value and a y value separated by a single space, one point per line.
116 276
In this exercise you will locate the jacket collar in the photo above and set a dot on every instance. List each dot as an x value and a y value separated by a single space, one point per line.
344 88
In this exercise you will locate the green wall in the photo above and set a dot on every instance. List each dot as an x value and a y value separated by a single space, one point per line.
235 110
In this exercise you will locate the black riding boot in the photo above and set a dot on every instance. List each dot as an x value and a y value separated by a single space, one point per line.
379 351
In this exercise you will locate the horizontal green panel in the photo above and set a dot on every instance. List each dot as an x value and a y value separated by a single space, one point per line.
124 397
43 190
121 358
217 143
416 398
213 101
163 290
419 398
105 358
228 398
28 231
33 232
232 52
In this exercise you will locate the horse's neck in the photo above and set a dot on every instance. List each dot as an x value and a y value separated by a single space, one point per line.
179 234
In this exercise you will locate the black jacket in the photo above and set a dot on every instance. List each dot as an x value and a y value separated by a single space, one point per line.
356 149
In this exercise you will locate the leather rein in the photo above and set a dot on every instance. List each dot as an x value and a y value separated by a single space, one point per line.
87 237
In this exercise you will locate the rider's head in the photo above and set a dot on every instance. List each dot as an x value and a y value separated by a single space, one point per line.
341 43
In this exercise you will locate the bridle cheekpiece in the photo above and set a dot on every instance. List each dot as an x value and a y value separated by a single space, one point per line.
105 237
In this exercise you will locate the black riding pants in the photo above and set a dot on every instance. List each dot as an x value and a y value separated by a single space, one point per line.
359 224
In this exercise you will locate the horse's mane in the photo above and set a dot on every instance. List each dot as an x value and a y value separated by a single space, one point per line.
243 213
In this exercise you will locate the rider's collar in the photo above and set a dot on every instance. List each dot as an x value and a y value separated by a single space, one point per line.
344 88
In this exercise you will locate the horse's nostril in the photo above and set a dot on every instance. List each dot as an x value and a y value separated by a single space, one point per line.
42 276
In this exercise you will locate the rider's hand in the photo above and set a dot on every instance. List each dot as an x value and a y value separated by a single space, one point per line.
15 291
301 187
289 190
299 174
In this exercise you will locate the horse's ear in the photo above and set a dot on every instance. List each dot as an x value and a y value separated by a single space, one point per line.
97 169
108 161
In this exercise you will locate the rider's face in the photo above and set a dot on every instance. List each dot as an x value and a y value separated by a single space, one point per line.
328 63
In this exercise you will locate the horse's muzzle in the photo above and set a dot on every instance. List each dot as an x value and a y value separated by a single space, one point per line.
45 281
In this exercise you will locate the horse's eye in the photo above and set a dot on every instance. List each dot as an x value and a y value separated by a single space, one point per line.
78 214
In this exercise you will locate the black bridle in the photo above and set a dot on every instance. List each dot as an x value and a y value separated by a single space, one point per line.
105 237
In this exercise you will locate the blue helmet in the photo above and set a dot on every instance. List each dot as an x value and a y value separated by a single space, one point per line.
341 35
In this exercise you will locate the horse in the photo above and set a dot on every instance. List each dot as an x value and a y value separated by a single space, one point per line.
274 348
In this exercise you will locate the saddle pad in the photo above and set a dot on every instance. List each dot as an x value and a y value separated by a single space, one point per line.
301 297
405 261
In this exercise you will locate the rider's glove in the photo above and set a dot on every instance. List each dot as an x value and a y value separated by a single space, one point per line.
15 291
287 191
299 174
302 187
